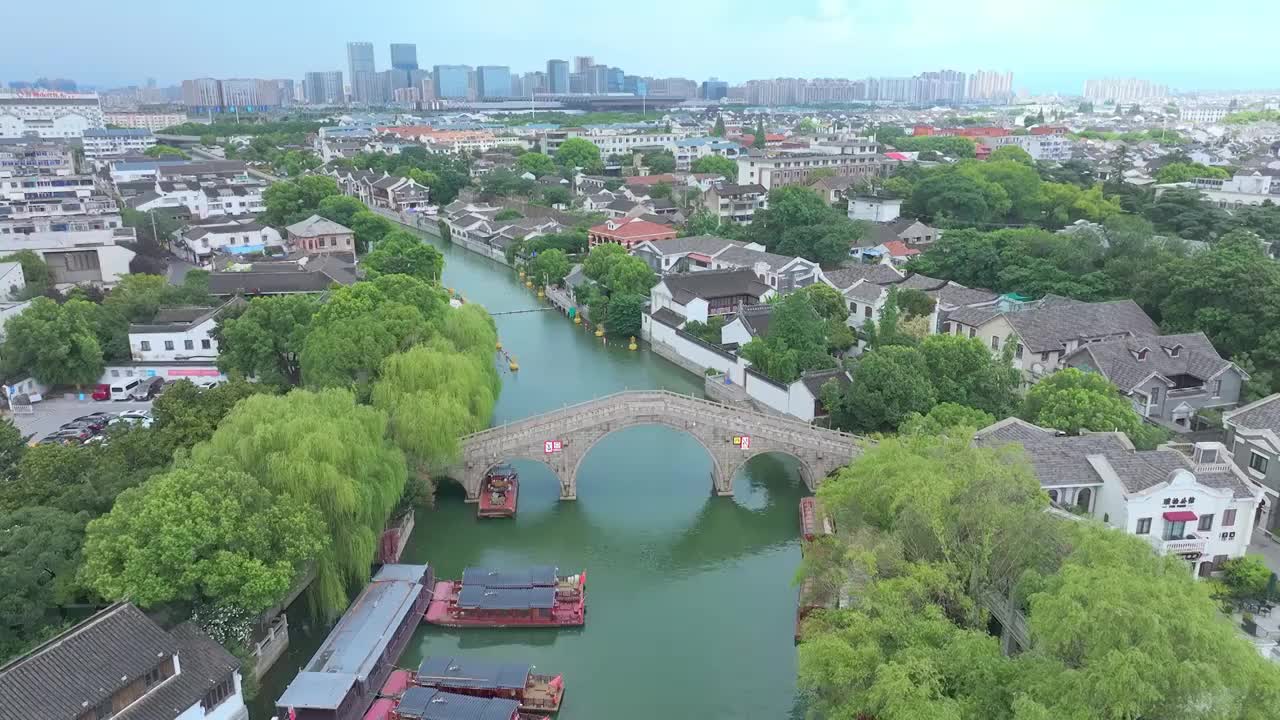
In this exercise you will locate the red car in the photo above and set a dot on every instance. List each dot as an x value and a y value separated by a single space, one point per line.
102 392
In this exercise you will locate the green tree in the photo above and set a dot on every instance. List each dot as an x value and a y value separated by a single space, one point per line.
402 252
267 339
549 267
718 129
708 332
1072 400
536 163
601 259
1178 172
202 533
1247 577
797 341
759 139
323 450
946 417
660 161
39 557
186 413
289 201
341 209
1011 153
702 222
55 343
963 371
369 228
624 316
579 153
35 273
12 447
889 383
160 151
553 195
629 275
716 165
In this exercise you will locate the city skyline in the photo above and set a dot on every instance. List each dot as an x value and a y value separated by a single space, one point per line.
822 38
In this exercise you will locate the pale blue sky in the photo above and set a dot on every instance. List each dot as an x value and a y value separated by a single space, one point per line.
1048 45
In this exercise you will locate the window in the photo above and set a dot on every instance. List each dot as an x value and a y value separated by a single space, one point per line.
168 344
104 711
946 328
1217 387
1257 463
153 677
1017 352
188 345
220 692
1155 395
1144 526
1228 518
1206 522
995 343
973 333
866 312
204 344
115 373
146 344
1174 530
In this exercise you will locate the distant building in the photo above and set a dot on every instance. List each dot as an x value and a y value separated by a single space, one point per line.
361 68
154 122
493 82
48 114
557 77
89 256
31 156
788 169
452 81
177 333
734 203
318 236
1053 146
106 144
202 95
324 88
1253 434
404 56
714 89
628 232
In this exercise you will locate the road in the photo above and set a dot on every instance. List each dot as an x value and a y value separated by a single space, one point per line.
51 414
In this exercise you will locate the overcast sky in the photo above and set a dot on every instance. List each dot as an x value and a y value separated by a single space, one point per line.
1047 45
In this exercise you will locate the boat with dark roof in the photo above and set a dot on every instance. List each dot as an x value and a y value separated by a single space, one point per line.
422 703
533 597
814 523
343 679
498 493
513 681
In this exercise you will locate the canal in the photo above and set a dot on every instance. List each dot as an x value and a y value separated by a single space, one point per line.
691 605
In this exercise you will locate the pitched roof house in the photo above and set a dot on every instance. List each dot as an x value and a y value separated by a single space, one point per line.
697 296
317 235
120 663
628 232
1253 434
1191 502
1168 377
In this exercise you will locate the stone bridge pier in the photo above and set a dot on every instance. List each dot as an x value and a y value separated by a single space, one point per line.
578 428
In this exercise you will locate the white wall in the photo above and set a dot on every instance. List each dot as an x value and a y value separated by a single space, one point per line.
157 352
199 373
233 708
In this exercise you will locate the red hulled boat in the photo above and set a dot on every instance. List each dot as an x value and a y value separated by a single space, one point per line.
533 597
422 703
498 493
512 681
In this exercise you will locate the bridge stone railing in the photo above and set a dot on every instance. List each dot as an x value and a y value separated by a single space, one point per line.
714 425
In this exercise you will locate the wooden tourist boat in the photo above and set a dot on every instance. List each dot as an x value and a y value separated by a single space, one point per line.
513 681
814 523
498 493
532 597
344 677
423 703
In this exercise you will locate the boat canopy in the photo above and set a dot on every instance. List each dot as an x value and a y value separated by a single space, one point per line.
420 703
535 576
453 672
483 598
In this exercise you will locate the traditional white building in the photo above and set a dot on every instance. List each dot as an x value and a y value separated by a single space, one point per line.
180 333
1186 500
113 143
48 114
88 256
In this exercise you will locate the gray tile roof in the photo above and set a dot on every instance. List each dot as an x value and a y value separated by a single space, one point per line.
1263 414
756 318
815 380
1048 324
64 677
1061 460
714 284
845 277
667 317
1118 361
705 244
744 257
316 225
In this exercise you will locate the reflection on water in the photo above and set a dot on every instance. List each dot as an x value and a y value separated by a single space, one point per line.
690 601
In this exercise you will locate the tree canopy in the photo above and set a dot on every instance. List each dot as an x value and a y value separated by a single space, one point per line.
290 201
401 252
716 165
55 343
579 153
796 342
799 222
266 340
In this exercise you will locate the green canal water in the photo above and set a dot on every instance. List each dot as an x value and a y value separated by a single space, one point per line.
690 605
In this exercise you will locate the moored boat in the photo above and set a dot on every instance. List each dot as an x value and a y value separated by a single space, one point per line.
343 679
422 703
532 597
498 493
814 523
514 681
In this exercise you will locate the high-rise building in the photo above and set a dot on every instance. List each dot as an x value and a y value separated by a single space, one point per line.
284 90
598 79
493 81
577 83
1123 90
635 85
989 85
404 56
714 89
451 81
361 66
616 78
557 77
249 94
324 88
202 94
582 63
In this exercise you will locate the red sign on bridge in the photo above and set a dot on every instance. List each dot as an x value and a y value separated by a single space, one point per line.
552 446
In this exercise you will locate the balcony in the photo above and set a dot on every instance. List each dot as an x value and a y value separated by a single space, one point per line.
1189 544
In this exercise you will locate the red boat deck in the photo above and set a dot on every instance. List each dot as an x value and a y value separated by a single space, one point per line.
396 684
498 496
380 709
564 605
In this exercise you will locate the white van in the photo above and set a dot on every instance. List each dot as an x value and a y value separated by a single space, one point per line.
122 392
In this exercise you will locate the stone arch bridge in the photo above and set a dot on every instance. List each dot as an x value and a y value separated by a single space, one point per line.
579 427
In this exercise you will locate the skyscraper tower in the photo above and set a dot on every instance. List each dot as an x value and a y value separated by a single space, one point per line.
557 76
404 56
583 63
360 63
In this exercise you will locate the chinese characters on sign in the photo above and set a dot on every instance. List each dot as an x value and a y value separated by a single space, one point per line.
742 441
552 446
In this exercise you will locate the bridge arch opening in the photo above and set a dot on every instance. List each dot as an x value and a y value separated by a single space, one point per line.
540 486
771 477
645 460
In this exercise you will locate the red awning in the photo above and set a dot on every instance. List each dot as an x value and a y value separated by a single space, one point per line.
1180 516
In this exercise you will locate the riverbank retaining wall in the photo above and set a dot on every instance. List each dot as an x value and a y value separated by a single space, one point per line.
428 224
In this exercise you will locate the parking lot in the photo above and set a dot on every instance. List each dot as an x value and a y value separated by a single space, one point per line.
51 414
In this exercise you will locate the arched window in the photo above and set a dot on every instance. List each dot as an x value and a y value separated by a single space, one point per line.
1053 496
1083 497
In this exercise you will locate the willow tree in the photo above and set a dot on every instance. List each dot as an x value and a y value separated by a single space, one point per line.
324 449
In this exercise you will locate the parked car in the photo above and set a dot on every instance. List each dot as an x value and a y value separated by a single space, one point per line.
96 420
147 389
124 390
89 426
62 437
134 415
76 433
102 392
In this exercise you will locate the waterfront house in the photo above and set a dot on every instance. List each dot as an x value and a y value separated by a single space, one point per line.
1253 434
344 676
317 235
1168 377
1186 500
284 276
200 242
121 664
628 232
697 296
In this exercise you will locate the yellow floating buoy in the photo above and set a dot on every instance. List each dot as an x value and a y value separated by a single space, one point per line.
528 283
514 367
600 331
633 345
577 319
541 294
521 274
499 345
